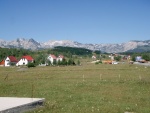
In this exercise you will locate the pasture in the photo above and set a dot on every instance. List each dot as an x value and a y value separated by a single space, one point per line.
88 88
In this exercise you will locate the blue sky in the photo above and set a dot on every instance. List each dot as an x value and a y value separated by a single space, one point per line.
85 21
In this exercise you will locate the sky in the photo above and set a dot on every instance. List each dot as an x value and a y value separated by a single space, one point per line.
84 21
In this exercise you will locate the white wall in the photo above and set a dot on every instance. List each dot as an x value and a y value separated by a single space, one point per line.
22 61
50 59
59 59
7 62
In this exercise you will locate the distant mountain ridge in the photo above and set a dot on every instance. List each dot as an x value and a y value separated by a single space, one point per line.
109 48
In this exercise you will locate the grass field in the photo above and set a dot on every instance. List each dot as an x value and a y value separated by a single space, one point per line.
81 89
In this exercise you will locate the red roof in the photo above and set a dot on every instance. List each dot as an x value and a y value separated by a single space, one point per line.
29 58
12 59
53 56
61 56
2 62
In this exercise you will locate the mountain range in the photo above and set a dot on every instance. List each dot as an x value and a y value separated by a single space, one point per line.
131 46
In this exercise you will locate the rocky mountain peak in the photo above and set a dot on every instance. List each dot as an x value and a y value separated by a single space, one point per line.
109 48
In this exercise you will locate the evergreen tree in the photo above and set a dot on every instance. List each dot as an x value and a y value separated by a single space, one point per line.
59 62
118 58
64 62
133 57
146 57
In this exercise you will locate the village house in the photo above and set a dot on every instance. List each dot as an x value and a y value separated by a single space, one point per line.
52 58
10 60
25 60
139 59
112 57
60 58
94 57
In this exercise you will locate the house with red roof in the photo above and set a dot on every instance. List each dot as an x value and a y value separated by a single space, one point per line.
94 57
52 58
25 60
60 58
10 60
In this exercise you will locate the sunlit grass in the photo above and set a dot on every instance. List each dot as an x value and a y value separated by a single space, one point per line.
81 89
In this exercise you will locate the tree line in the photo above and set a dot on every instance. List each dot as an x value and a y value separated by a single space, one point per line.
40 56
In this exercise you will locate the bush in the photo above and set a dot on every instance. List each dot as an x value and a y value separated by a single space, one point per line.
146 57
54 62
99 62
64 62
71 62
96 62
133 57
118 58
30 65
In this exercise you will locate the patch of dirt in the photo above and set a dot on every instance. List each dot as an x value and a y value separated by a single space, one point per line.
22 69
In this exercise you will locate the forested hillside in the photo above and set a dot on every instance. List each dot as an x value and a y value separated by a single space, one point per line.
72 50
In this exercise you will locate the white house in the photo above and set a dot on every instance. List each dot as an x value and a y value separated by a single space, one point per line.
138 58
60 58
25 60
52 58
10 60
22 61
94 57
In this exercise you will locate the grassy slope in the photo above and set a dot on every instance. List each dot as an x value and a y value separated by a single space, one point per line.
81 89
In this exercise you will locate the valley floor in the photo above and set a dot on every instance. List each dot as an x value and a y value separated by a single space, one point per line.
101 88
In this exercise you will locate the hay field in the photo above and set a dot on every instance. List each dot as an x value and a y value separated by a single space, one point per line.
81 89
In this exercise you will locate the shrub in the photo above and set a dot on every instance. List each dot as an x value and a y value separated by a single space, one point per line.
99 62
133 58
146 57
31 65
71 62
54 62
64 62
96 62
118 58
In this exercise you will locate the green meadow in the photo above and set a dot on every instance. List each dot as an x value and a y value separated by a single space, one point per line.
88 88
